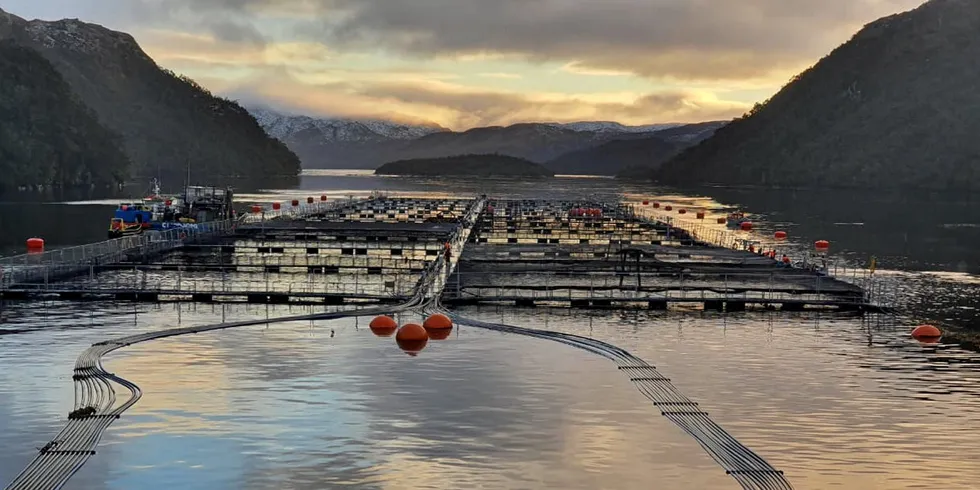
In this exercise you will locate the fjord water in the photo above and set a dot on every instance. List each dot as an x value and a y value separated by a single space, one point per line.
832 400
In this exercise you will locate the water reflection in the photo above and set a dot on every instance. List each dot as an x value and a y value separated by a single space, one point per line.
289 406
809 392
834 400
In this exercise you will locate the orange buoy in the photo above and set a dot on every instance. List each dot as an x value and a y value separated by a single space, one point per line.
295 202
276 206
822 245
383 321
927 333
669 208
383 326
35 245
746 226
412 338
323 197
780 235
256 209
412 331
682 211
701 215
437 322
721 221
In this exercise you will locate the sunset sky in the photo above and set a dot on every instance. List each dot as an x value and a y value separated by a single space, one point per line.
466 63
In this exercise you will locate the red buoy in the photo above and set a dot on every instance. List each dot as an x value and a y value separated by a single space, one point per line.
309 200
746 226
682 211
646 203
927 333
35 245
669 208
277 206
822 245
721 221
383 326
323 197
168 202
780 235
656 205
295 202
412 338
701 215
256 209
437 322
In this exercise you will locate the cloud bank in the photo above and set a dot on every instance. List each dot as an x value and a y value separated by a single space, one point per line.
510 60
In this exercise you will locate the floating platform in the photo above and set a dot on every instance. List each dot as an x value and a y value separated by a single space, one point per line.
527 253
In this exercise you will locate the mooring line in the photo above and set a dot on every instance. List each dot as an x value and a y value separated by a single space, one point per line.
749 469
95 397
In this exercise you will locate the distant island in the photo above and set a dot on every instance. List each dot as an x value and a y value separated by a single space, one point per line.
467 165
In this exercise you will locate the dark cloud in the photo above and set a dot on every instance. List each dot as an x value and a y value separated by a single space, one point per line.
693 39
682 39
236 32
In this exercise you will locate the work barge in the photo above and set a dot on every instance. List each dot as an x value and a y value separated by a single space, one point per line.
570 253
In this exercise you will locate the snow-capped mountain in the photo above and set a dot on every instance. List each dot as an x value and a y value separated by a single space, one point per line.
352 143
286 126
613 127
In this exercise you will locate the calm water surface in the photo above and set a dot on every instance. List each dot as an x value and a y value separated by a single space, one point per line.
834 401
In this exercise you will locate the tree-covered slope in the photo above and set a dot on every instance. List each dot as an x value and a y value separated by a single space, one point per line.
168 123
47 136
895 107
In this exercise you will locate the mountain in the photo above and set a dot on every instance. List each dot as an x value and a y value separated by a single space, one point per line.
285 126
532 141
691 134
613 157
167 122
349 143
340 143
467 165
648 151
894 107
613 127
47 135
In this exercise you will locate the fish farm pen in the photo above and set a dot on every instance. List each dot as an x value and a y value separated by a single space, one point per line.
385 255
539 252
526 253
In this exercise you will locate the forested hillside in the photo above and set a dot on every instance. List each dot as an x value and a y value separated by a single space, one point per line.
47 136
